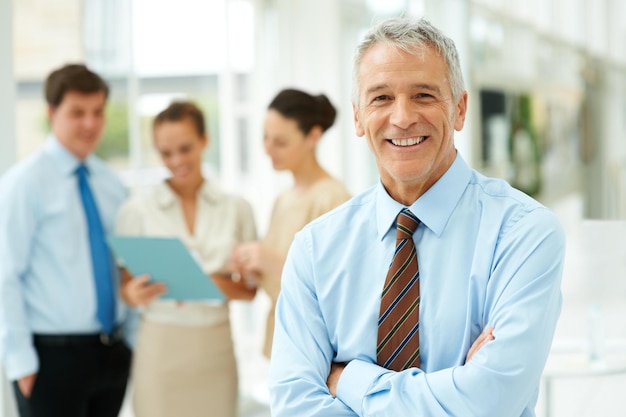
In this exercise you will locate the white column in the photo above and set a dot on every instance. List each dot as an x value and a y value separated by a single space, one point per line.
229 172
302 49
300 44
132 85
8 146
8 150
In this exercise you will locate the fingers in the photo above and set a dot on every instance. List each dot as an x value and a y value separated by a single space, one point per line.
246 257
485 337
139 280
25 384
140 291
152 291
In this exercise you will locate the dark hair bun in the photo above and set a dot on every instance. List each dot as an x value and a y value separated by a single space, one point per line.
306 109
326 111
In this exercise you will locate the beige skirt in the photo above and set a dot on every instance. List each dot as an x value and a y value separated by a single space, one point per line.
184 371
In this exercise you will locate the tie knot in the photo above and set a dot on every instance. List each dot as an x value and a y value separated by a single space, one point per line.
406 224
82 171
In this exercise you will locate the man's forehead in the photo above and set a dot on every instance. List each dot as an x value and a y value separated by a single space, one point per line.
390 51
78 98
381 61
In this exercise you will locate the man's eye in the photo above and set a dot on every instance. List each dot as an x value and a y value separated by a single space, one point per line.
381 98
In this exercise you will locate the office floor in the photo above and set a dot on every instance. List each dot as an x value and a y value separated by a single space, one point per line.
571 394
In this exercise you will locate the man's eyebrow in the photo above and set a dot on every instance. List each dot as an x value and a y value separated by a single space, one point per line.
376 88
429 87
419 86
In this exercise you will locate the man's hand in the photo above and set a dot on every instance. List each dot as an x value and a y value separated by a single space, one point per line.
333 377
26 384
485 337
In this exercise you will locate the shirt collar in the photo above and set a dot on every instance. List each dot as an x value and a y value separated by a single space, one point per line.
434 207
166 197
66 161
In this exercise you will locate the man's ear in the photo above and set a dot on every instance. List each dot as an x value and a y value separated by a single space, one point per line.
460 112
357 121
50 112
206 141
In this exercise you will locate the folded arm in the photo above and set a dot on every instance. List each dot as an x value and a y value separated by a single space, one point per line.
336 369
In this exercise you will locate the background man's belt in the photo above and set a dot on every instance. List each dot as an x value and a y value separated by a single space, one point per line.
78 339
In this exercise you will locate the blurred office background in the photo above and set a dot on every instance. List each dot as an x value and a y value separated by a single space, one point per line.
547 85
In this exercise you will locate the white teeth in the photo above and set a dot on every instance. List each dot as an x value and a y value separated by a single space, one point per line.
408 142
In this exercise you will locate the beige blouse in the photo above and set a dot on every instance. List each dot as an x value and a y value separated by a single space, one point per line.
221 221
292 211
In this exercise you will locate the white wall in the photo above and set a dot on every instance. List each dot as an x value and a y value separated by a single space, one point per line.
8 145
7 87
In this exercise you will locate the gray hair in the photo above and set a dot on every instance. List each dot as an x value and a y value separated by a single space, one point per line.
409 34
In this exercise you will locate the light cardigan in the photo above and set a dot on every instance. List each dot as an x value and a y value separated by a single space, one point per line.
222 220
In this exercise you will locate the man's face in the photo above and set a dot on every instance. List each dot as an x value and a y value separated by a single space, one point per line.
408 115
78 121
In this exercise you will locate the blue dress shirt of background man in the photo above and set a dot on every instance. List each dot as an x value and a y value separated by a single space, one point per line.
52 342
490 260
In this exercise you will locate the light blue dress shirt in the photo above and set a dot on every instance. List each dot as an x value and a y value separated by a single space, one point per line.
46 277
488 255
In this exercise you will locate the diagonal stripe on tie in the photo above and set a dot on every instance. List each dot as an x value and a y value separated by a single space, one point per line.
384 314
398 324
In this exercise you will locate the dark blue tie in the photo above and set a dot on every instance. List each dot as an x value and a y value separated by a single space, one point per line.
101 259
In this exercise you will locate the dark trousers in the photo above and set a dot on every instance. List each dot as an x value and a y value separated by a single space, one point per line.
77 379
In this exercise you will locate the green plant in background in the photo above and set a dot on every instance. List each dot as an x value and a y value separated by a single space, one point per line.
114 143
525 147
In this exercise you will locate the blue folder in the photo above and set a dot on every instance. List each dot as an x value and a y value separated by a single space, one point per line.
165 260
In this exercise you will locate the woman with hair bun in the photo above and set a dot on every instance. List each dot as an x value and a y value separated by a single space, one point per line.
294 124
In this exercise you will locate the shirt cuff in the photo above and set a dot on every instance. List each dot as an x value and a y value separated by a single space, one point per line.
20 364
356 379
131 326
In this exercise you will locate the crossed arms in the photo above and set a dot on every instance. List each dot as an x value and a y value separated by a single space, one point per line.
489 377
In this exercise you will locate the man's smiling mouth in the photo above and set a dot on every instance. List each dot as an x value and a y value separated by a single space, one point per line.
408 141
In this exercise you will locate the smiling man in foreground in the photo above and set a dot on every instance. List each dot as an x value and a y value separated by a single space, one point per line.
437 291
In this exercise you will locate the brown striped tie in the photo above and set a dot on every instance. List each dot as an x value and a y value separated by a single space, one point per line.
398 322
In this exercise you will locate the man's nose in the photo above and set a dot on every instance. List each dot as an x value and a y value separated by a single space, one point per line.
90 121
403 113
